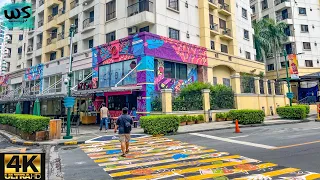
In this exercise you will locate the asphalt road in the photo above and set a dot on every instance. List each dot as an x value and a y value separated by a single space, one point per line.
294 145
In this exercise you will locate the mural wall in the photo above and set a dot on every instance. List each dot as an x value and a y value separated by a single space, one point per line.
34 73
4 80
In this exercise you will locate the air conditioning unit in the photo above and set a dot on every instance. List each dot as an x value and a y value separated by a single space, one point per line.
132 30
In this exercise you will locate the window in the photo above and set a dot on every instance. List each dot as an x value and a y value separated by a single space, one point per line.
90 43
55 10
306 46
75 48
244 13
264 4
144 29
110 37
211 19
62 52
155 70
214 81
111 10
53 56
248 55
223 24
302 11
224 48
226 82
283 64
19 50
253 9
91 15
174 4
246 34
304 28
174 34
54 33
169 71
20 37
212 45
287 31
309 63
270 67
181 71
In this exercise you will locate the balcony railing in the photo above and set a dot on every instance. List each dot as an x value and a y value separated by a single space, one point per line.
61 11
277 2
139 7
225 7
30 48
50 17
8 55
283 16
212 1
19 56
60 36
227 32
76 30
39 45
74 4
40 23
214 27
41 2
88 22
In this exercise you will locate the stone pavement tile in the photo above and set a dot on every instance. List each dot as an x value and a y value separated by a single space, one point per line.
164 158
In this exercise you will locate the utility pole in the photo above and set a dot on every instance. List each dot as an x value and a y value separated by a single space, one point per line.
289 94
69 101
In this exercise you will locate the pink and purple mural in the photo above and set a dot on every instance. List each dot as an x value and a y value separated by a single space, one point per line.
4 80
34 73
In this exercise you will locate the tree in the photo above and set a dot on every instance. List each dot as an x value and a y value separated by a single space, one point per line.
261 41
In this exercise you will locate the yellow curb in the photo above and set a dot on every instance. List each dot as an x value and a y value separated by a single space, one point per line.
71 143
28 143
13 141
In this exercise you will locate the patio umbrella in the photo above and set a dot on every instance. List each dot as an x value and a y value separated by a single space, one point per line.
36 108
18 108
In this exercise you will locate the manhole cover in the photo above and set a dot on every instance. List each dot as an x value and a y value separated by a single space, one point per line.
69 148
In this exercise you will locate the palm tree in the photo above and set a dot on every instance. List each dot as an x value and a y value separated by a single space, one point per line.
261 41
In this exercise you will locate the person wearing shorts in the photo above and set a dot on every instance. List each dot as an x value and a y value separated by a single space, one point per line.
124 124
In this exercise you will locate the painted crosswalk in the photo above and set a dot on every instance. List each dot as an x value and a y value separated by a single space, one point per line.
163 158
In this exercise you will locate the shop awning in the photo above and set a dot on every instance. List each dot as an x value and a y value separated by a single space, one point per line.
308 77
103 90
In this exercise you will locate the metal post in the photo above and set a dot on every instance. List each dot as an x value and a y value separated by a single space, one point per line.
288 79
71 33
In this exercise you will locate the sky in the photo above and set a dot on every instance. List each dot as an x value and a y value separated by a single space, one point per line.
3 2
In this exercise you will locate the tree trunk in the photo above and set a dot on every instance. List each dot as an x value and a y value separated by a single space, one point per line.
276 59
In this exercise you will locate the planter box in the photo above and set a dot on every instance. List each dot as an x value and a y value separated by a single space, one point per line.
220 119
199 122
37 136
1 126
40 136
229 119
183 123
12 129
190 123
6 127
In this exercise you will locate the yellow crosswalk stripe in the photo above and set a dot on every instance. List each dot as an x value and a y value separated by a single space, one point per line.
273 173
205 176
171 166
164 156
313 176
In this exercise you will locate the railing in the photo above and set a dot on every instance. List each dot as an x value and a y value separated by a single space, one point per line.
9 41
261 84
50 17
19 56
74 4
83 80
51 39
277 2
41 2
47 90
225 7
139 7
214 27
247 84
110 15
61 11
40 23
212 1
76 30
88 22
278 88
39 45
284 16
30 48
8 56
60 36
227 32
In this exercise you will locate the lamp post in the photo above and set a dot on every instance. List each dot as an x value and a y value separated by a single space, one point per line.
69 101
289 94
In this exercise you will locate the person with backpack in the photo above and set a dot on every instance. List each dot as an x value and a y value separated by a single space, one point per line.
124 124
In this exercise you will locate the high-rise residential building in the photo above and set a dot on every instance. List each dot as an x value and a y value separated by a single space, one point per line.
303 22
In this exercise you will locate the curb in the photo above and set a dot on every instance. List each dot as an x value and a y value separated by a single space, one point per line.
245 126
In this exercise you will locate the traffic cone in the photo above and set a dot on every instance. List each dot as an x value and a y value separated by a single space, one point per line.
237 127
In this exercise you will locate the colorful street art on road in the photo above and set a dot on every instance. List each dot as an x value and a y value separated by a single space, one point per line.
163 158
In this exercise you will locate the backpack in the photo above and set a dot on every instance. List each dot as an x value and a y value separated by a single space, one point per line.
127 126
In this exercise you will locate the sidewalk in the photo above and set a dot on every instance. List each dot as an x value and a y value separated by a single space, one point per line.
88 132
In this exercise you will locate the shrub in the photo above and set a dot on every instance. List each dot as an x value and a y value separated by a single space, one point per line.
24 122
305 106
219 115
221 97
200 118
156 104
183 118
292 112
160 124
247 116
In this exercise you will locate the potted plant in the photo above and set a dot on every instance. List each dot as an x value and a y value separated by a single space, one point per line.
190 120
200 119
228 118
219 117
183 120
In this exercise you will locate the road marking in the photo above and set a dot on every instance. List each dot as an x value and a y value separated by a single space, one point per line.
234 141
294 145
235 137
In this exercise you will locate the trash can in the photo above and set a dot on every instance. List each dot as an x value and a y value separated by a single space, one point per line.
55 129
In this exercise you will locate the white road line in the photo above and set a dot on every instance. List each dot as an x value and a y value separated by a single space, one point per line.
234 141
235 137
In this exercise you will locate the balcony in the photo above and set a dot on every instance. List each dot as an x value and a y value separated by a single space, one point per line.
225 9
19 56
40 23
213 4
52 22
277 2
30 49
226 34
41 2
61 11
74 4
140 13
7 55
60 36
52 3
214 29
285 17
88 24
39 45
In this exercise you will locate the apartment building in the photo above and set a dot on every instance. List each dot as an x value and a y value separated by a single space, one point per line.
303 22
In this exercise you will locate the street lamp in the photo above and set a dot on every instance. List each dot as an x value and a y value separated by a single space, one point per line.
69 101
289 94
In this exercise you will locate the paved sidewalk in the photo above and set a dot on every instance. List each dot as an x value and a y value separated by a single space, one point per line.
88 132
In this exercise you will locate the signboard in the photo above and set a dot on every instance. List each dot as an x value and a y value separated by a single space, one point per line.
293 64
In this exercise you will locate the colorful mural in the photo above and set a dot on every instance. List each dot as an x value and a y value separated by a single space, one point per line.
175 84
164 158
4 80
34 73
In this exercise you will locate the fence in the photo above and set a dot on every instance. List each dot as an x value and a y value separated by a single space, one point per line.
278 88
261 86
247 84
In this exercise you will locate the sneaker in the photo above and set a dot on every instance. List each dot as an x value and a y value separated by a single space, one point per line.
127 151
100 129
123 155
106 131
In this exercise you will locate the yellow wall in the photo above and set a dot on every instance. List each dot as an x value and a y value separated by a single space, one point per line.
221 72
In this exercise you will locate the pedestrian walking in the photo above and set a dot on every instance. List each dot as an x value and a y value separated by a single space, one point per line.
104 114
124 124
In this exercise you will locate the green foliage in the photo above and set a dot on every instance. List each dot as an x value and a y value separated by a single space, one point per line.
305 106
156 104
247 116
292 112
200 118
160 124
221 97
24 122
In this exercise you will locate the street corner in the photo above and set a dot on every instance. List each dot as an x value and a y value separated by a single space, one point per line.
164 158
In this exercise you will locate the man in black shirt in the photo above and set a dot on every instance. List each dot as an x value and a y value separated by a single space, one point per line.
124 123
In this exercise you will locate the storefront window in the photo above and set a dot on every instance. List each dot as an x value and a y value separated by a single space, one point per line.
128 66
116 73
119 102
104 76
51 82
80 75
